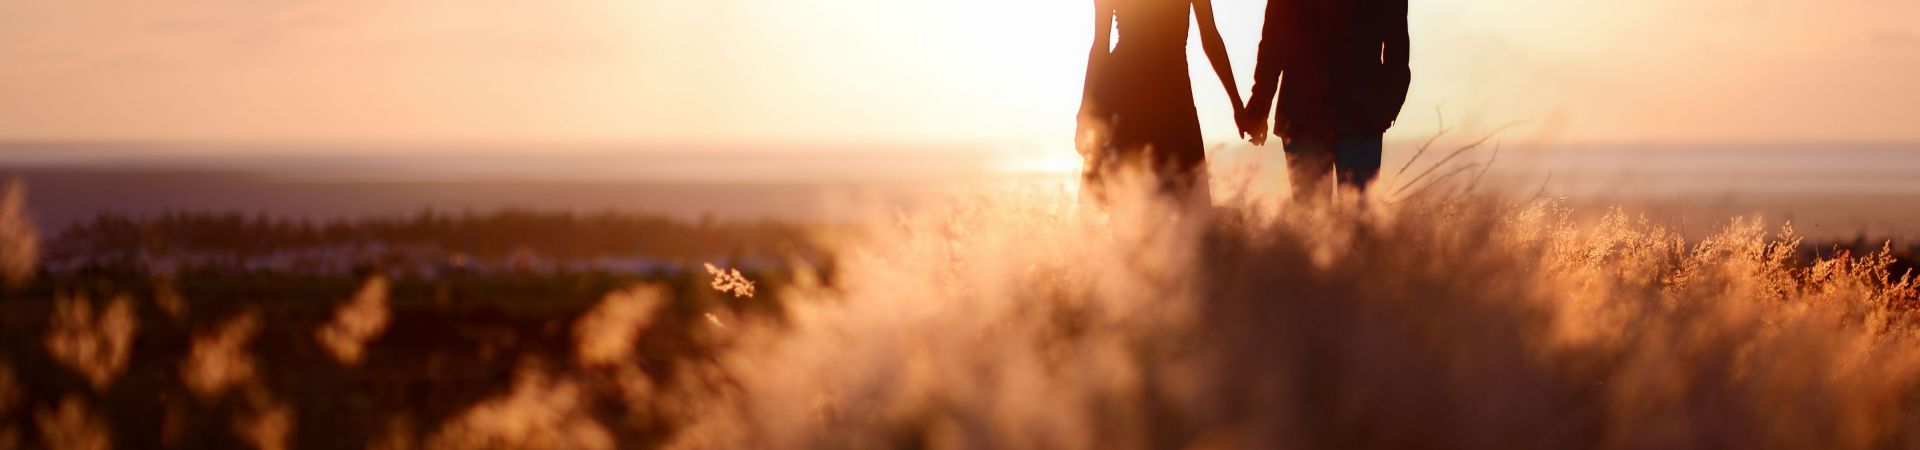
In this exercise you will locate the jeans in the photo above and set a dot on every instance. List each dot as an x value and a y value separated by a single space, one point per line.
1353 158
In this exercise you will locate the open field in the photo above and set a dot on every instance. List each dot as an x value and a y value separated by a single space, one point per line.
1018 321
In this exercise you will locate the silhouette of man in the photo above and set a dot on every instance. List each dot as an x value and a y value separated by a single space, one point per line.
1346 77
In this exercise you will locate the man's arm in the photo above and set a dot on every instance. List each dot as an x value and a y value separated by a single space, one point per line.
1393 58
1273 56
1216 50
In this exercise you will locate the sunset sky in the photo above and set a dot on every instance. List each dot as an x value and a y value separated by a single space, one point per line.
766 72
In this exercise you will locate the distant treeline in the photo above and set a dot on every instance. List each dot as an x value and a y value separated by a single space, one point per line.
550 235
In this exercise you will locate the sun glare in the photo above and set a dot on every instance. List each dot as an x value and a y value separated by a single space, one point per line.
1057 163
1022 80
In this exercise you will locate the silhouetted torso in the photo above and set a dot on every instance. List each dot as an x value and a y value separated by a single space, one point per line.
1147 85
1338 75
1158 27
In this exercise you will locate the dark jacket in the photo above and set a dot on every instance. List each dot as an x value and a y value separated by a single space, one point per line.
1344 61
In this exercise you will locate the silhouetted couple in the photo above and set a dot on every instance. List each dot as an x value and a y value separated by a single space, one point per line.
1344 64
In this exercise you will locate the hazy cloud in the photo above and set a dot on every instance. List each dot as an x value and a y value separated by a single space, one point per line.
1897 39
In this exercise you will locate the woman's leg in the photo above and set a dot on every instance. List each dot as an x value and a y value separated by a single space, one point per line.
1182 174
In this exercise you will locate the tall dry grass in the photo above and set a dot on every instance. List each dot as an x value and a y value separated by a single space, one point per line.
1031 322
96 345
19 238
356 322
1469 323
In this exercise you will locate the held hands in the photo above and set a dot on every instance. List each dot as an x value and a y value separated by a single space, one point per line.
1253 126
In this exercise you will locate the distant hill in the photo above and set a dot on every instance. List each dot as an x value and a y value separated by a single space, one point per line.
60 197
1828 190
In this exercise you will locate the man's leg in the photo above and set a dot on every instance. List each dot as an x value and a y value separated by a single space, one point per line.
1357 158
1309 161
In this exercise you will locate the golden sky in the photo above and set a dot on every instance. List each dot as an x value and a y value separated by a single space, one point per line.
1002 71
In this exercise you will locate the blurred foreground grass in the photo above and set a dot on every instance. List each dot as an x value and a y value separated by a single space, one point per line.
1019 322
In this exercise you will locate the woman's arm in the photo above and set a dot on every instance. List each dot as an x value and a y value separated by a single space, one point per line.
1097 57
1275 51
1090 126
1216 49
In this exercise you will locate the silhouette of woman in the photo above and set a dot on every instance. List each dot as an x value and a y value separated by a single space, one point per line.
1137 108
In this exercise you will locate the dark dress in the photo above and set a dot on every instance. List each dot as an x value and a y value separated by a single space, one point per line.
1149 97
